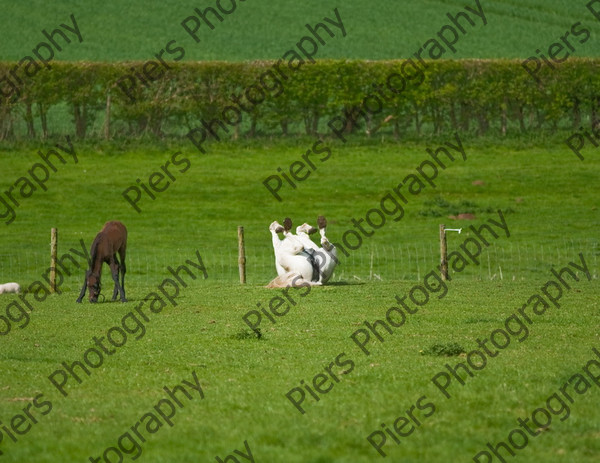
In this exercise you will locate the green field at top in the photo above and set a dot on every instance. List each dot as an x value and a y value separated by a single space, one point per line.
263 29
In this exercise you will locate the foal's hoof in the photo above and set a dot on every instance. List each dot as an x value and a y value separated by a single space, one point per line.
322 221
287 224
312 230
276 227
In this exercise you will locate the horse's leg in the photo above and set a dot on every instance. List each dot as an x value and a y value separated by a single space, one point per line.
82 293
325 243
289 236
329 257
116 267
275 228
302 234
114 270
291 244
123 270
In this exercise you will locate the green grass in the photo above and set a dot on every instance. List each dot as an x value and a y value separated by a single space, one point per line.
544 193
549 198
260 30
554 206
244 380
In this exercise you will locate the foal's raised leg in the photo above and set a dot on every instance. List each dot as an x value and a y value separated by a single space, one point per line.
322 222
330 260
325 243
287 226
292 243
275 228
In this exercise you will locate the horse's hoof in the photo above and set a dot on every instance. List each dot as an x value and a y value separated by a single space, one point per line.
78 301
322 221
287 224
276 227
312 230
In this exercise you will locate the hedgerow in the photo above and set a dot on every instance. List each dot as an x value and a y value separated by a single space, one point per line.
479 96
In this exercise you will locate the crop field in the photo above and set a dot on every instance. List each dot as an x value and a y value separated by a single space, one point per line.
138 30
386 362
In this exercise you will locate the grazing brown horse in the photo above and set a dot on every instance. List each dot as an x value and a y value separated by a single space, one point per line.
110 240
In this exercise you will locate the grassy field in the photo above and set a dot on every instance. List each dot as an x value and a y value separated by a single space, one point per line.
245 379
239 388
549 202
544 192
136 31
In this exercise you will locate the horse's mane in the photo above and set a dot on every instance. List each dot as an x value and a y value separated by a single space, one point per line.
94 250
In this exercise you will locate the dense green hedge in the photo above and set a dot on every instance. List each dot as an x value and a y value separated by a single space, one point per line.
480 96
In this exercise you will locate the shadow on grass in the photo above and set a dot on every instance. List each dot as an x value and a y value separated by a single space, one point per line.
343 283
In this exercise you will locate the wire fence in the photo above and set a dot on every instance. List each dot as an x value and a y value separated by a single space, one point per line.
403 261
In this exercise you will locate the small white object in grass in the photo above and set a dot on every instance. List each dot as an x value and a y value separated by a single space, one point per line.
10 288
453 229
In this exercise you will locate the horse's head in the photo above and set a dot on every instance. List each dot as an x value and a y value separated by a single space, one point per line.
93 284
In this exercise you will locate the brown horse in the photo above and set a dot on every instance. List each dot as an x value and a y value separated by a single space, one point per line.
110 240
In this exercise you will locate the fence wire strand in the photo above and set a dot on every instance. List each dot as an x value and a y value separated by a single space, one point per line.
406 261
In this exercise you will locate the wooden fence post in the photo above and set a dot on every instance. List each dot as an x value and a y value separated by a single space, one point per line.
443 253
107 118
241 255
53 249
